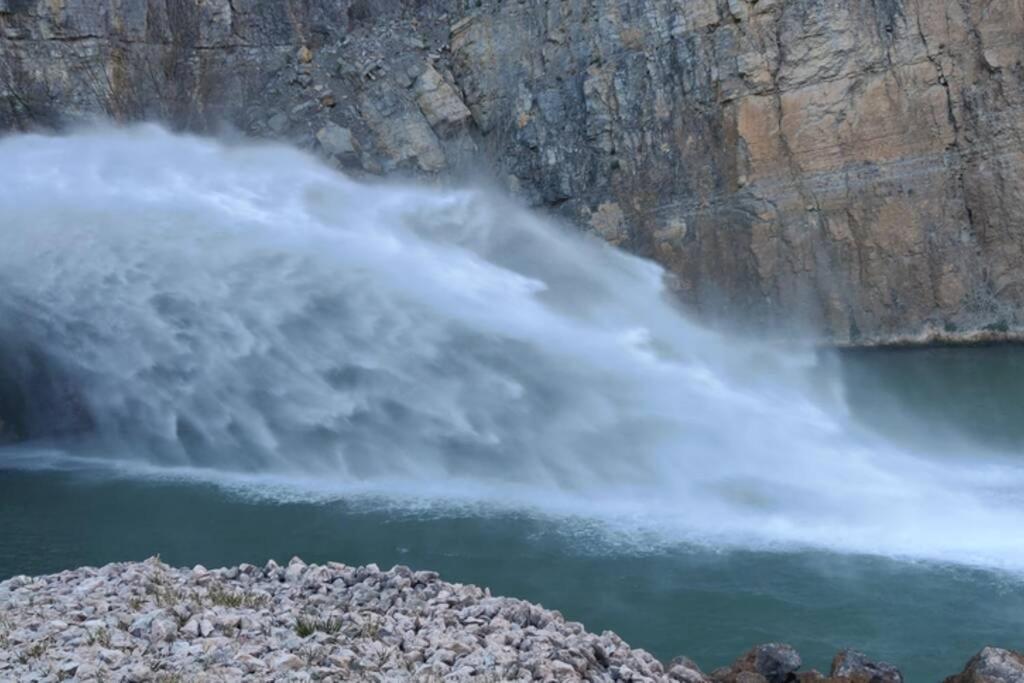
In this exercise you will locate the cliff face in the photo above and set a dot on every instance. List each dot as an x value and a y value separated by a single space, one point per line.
857 165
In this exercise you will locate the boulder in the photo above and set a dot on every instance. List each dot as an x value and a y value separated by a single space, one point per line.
774 662
855 667
684 670
440 103
335 140
992 665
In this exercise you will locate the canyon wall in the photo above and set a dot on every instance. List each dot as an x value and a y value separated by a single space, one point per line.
849 169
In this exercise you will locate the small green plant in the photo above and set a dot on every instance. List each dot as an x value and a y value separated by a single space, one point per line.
34 651
307 626
100 637
371 627
225 598
163 591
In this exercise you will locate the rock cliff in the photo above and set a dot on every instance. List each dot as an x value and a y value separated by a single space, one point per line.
854 165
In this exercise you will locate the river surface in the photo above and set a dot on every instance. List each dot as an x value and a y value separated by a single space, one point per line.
228 352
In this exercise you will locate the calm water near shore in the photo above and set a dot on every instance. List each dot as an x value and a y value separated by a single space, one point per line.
708 603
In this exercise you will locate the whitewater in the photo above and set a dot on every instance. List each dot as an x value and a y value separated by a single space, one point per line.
243 314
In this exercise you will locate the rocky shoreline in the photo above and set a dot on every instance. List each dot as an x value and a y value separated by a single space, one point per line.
151 622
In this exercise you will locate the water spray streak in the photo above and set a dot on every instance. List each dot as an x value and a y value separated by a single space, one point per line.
181 305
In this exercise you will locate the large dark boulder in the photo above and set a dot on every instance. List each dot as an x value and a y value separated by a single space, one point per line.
771 662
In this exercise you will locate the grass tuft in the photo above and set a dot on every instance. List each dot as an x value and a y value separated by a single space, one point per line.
225 598
307 626
100 637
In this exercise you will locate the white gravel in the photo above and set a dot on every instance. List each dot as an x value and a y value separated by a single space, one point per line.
151 622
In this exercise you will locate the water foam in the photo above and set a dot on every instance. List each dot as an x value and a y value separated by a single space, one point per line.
242 311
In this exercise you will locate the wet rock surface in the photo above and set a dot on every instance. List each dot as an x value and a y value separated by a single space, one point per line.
150 622
857 166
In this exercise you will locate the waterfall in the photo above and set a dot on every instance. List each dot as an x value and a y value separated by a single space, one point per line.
180 304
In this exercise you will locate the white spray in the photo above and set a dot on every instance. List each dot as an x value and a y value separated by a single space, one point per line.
245 311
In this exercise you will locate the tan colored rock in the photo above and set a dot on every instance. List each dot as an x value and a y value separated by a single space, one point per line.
440 103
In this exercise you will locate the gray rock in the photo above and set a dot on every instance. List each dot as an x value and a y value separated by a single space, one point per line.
286 662
992 665
278 123
440 103
775 662
685 670
859 669
335 140
142 624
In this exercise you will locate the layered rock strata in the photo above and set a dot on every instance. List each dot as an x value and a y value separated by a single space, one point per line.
852 168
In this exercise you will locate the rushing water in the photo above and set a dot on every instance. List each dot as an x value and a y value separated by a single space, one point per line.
244 316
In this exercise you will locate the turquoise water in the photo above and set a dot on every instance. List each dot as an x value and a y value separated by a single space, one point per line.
708 603
942 397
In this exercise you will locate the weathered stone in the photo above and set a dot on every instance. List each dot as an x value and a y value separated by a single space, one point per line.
774 662
278 123
335 140
992 665
857 668
142 624
286 662
685 670
440 103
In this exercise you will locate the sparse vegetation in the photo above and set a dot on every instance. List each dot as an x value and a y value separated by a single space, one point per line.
33 651
307 626
371 627
100 637
220 596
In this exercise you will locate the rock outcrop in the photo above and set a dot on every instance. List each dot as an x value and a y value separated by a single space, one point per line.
772 662
992 665
855 667
857 166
